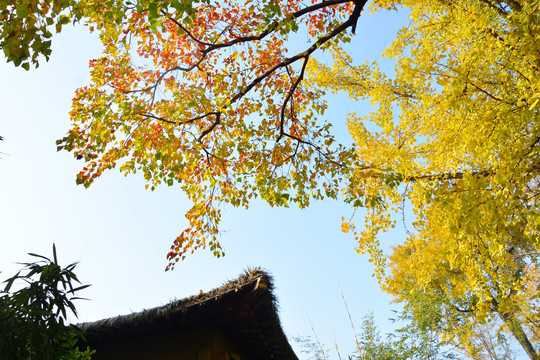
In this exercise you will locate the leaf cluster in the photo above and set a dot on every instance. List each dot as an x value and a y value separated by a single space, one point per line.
33 319
408 343
26 27
413 341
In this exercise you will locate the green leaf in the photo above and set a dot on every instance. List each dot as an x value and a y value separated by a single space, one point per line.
10 281
54 254
153 9
22 10
39 256
64 19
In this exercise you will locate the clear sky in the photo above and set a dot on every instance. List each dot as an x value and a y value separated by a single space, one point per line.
121 233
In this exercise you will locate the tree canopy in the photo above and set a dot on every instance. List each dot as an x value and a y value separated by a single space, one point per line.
210 97
454 136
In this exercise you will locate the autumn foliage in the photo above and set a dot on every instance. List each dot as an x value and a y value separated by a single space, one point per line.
208 96
455 138
224 99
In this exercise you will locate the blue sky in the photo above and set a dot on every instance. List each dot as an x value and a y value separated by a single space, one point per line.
121 233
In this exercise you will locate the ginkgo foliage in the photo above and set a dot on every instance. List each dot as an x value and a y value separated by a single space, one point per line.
455 137
209 97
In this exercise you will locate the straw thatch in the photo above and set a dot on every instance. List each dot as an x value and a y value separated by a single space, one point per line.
243 309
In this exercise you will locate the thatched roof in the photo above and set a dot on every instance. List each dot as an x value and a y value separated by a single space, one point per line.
244 308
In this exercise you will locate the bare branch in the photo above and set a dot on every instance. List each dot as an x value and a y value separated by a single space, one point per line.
448 176
289 96
269 29
214 124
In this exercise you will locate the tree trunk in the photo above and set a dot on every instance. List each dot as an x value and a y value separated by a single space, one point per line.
517 330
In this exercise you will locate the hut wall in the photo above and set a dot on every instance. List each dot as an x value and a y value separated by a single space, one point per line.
202 343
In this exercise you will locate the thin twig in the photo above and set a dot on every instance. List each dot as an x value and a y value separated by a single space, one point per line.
350 319
316 338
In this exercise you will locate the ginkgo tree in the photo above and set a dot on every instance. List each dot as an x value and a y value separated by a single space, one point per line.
209 96
455 137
